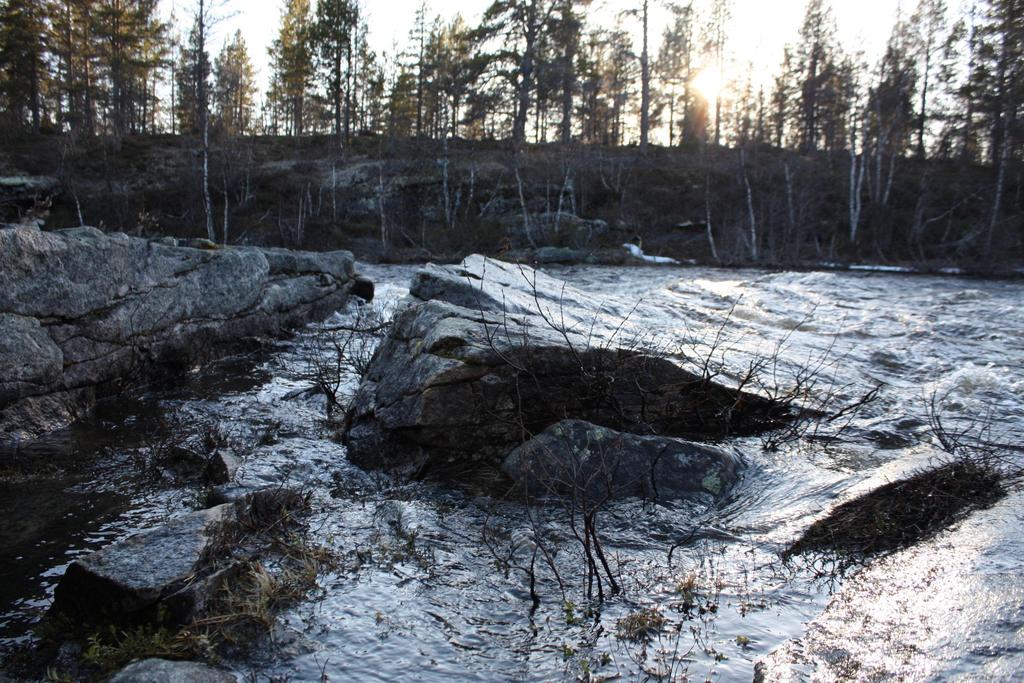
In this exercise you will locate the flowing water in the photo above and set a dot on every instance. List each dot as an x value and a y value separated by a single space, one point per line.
420 595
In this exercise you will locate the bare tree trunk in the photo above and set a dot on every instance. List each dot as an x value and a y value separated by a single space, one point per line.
856 183
380 207
923 114
645 89
204 120
790 205
526 212
568 78
227 201
445 189
672 116
997 200
707 218
888 182
750 209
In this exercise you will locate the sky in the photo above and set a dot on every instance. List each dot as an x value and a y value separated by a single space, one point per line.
758 31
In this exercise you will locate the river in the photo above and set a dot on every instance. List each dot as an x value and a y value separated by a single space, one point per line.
437 608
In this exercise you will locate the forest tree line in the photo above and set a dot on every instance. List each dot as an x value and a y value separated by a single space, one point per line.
948 85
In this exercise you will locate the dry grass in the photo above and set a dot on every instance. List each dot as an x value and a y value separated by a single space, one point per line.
641 625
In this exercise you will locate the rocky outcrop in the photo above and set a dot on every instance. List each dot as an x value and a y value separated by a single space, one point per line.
489 353
83 313
166 671
593 463
15 189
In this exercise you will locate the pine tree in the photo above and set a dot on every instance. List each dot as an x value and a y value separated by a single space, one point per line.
645 85
565 39
999 85
72 49
783 97
715 40
234 88
22 61
520 26
891 107
192 71
675 64
454 71
130 46
418 38
291 57
931 21
815 61
333 35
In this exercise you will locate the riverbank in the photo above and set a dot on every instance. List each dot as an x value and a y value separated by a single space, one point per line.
388 200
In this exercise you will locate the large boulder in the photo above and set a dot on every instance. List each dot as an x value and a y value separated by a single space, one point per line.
487 354
593 463
83 312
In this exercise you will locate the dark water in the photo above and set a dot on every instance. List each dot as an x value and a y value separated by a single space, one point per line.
437 607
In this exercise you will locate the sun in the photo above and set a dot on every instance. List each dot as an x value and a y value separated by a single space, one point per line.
708 82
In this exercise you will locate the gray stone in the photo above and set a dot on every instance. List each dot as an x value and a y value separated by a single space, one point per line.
126 578
554 227
487 351
166 671
169 573
83 312
363 288
577 458
222 467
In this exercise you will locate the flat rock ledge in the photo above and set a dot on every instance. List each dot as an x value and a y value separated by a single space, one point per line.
488 354
84 313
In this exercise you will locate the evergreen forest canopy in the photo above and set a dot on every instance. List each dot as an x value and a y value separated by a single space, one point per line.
929 136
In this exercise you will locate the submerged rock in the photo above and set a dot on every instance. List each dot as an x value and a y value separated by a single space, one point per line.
84 313
578 458
166 671
488 353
